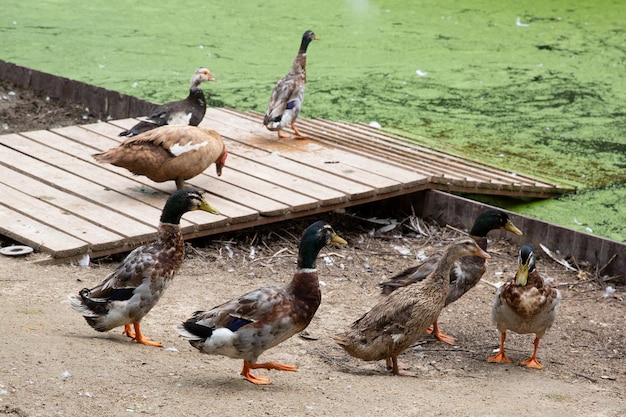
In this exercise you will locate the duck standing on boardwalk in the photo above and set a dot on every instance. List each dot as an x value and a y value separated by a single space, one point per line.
245 327
524 304
169 153
128 293
400 319
189 111
288 95
467 271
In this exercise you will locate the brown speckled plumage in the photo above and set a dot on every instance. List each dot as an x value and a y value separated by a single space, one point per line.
524 304
245 327
288 94
128 293
466 272
399 320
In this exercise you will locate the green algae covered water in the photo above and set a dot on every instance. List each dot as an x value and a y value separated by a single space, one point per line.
536 87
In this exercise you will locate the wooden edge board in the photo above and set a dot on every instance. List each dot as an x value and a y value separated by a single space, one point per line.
30 232
57 218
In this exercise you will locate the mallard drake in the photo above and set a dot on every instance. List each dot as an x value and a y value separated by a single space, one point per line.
400 319
189 111
467 271
245 327
128 293
524 304
169 153
288 95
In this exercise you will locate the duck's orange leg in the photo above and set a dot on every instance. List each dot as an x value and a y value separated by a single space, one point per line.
532 362
296 131
500 357
440 335
128 331
138 337
283 135
261 380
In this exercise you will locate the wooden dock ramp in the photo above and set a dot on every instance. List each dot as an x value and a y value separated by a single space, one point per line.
57 199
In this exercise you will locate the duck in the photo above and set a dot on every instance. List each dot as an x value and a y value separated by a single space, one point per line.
167 153
130 291
189 111
288 94
246 326
399 320
467 271
524 304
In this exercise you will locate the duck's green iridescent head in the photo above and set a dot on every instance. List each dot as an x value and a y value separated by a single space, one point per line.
491 220
183 201
314 238
306 40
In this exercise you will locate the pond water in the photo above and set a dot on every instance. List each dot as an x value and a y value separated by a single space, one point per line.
536 87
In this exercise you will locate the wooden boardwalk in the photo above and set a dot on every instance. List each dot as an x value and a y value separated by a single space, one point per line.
57 199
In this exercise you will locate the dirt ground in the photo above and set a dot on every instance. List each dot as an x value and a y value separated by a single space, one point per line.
53 364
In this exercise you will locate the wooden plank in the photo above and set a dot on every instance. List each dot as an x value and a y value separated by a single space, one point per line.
372 172
366 140
93 142
349 189
105 129
99 215
233 212
324 195
58 218
265 206
73 179
39 236
354 142
126 124
270 147
437 166
238 177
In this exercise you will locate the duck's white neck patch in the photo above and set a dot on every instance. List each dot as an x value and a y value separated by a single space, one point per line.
178 149
307 270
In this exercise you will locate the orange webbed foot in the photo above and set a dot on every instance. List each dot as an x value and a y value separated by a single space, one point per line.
261 380
128 331
500 357
283 135
138 337
297 132
441 336
532 363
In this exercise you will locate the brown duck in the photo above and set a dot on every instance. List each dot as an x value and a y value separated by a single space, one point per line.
189 111
467 271
169 153
399 320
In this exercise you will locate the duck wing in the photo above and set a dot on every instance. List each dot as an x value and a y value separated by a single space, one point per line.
287 95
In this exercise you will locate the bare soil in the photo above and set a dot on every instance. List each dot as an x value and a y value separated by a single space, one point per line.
53 364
